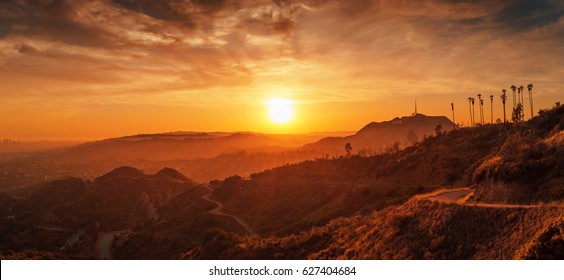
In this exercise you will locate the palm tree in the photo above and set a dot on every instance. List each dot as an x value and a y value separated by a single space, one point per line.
453 123
522 101
473 112
503 99
470 108
530 88
491 108
481 111
513 88
522 88
518 95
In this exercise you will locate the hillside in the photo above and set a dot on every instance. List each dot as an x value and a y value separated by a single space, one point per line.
290 197
417 229
376 137
70 214
382 206
529 166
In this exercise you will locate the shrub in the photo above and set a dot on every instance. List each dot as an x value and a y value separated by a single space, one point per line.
548 243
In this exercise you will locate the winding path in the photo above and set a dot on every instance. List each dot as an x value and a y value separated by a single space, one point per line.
459 196
217 211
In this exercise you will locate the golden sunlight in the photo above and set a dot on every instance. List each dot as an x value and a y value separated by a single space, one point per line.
280 110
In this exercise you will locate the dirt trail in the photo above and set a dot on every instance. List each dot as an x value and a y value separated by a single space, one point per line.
458 196
217 211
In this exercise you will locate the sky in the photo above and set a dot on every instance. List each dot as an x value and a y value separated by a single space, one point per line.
72 70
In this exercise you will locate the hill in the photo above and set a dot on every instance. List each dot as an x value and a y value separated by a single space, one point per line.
376 137
70 214
380 206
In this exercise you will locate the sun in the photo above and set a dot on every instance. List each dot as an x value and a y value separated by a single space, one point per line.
280 110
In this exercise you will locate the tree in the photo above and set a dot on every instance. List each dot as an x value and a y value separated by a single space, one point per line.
453 123
470 108
517 114
491 108
503 99
438 129
482 111
513 88
473 112
520 100
530 88
522 88
394 148
481 104
348 148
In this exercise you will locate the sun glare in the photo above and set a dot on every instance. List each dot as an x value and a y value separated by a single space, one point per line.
280 110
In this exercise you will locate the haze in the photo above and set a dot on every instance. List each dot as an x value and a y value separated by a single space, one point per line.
94 69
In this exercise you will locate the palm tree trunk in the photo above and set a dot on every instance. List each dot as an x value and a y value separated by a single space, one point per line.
504 118
473 115
491 111
531 101
470 110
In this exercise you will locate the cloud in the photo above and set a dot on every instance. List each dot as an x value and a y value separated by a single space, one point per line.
231 51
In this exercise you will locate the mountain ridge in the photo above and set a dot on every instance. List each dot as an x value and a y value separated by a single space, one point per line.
374 137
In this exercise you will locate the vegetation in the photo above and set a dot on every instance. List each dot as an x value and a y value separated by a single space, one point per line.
362 206
527 168
548 243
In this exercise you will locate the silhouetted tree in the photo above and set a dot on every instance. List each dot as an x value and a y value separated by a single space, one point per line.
522 88
470 109
481 111
481 105
348 148
517 114
491 108
530 88
520 94
473 113
453 123
514 88
438 129
503 99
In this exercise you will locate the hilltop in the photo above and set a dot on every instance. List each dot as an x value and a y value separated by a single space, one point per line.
375 137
